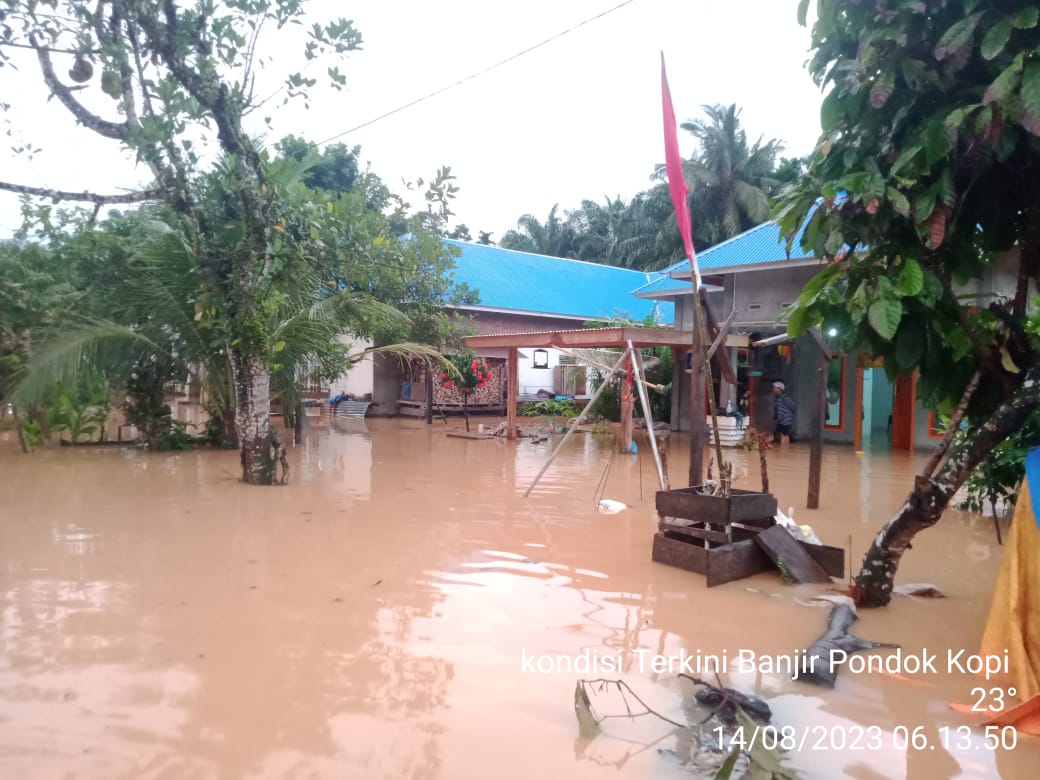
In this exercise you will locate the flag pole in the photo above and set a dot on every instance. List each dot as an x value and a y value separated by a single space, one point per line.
699 345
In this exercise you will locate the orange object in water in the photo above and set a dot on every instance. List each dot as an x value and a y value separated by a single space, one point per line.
1014 615
1025 717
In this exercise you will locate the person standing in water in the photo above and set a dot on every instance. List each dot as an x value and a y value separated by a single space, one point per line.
783 412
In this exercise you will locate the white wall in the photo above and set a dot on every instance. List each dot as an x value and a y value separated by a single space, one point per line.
534 379
360 379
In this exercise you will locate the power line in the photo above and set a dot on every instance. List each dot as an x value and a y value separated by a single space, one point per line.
472 76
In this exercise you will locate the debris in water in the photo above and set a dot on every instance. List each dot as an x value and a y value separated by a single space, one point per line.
816 663
377 582
609 506
925 589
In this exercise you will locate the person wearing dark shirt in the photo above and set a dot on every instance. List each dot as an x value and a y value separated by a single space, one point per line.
783 412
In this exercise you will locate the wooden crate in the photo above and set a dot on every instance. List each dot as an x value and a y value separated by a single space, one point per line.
721 563
742 506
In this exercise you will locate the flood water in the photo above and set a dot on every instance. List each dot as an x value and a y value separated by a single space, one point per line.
158 619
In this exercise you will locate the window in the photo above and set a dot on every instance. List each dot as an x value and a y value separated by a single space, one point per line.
835 419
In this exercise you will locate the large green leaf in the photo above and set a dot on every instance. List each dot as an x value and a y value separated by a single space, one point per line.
994 41
957 37
1004 85
909 345
884 315
803 10
1025 18
911 280
798 321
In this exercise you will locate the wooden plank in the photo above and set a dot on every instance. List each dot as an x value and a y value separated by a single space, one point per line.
745 506
735 562
682 555
470 436
831 559
697 533
778 544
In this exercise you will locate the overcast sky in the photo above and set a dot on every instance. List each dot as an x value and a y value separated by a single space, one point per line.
577 118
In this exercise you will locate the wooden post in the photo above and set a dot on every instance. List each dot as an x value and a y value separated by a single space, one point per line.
513 393
698 430
627 405
429 393
819 406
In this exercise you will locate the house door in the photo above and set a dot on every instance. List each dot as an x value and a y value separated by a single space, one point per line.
904 403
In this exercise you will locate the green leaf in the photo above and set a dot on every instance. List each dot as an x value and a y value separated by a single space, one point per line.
957 37
1025 18
803 11
1031 98
936 142
906 156
924 204
831 112
798 321
279 346
899 201
909 345
994 41
931 289
1004 85
884 315
815 285
911 280
726 770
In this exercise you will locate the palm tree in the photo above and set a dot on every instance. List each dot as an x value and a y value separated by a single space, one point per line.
737 177
554 238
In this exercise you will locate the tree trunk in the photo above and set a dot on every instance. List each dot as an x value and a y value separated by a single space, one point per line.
930 496
298 424
252 419
465 409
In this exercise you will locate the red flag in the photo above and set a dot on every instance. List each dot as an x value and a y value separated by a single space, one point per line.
676 179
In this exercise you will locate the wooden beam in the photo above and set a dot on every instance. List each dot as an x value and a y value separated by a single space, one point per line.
819 407
595 337
513 392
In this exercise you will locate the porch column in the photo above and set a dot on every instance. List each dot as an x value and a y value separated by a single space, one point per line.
513 392
627 404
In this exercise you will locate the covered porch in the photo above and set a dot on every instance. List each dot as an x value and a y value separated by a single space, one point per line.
589 338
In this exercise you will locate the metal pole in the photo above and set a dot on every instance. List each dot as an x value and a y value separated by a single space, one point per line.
638 372
581 418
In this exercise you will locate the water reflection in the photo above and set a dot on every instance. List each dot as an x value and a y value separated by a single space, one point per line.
159 619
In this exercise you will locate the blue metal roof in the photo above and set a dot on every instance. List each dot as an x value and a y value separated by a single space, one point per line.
760 245
519 281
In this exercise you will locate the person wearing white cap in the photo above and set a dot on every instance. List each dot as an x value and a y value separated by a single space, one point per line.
783 412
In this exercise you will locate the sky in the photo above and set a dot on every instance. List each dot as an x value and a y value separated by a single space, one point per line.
579 117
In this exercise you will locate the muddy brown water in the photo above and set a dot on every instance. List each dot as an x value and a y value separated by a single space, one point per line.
158 619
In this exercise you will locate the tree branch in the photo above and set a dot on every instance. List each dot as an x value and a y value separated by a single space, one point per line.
90 120
83 197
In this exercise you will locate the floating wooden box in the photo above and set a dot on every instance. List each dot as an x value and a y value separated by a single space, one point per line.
742 506
722 563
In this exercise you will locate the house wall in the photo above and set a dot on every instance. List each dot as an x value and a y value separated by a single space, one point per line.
360 379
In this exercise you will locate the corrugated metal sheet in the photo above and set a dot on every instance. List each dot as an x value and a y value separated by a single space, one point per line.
760 245
551 285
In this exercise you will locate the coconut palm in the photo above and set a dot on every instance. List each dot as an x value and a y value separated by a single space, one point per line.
738 176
